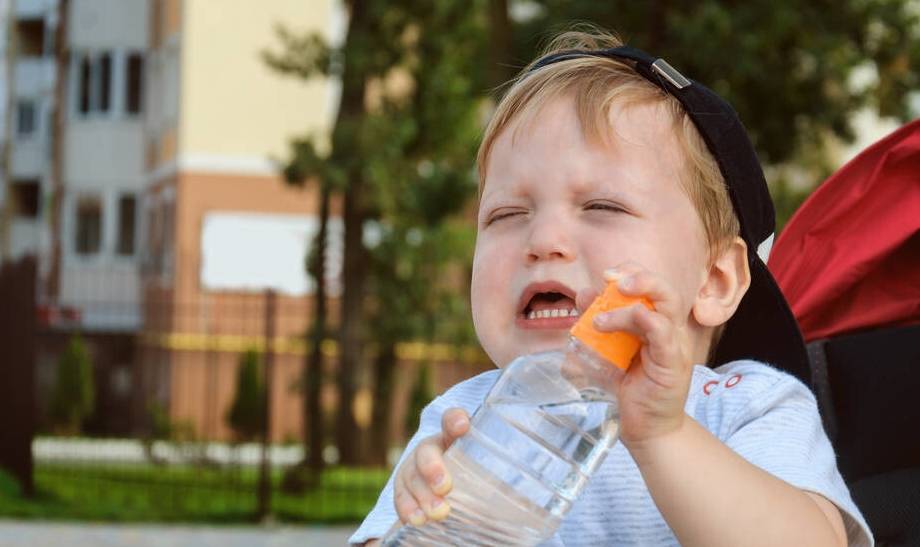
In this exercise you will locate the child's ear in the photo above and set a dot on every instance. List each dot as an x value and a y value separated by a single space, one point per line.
726 282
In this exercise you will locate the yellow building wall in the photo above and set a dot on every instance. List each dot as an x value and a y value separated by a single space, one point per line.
232 105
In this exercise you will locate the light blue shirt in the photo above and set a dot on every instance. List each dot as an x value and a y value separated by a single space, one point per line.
765 415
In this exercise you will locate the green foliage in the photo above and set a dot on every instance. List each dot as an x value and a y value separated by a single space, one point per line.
174 493
74 391
415 150
786 200
788 67
161 425
791 69
247 413
9 486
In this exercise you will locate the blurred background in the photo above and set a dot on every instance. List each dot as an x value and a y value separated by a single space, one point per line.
236 235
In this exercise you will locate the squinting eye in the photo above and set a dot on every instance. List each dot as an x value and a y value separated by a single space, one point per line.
603 206
503 215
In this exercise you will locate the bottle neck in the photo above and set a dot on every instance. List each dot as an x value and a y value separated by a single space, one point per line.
589 371
586 354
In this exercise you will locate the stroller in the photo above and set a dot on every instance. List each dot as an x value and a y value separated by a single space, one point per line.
849 264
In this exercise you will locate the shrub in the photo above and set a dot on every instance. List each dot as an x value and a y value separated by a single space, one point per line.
247 413
74 393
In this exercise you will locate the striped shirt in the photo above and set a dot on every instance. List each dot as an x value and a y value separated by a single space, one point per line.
765 415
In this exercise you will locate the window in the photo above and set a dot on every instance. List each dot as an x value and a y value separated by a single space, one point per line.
96 75
134 79
89 225
25 118
26 198
86 75
104 82
127 214
31 34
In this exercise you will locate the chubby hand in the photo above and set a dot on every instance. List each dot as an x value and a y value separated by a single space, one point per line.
653 391
423 480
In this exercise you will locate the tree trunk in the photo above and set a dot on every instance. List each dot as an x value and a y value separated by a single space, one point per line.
313 412
62 60
351 111
658 25
501 38
350 338
383 395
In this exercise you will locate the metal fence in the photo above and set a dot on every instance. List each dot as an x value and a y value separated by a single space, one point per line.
159 443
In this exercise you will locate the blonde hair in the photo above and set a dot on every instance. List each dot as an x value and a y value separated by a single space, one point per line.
595 84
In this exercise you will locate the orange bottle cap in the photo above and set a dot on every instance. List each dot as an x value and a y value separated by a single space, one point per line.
617 347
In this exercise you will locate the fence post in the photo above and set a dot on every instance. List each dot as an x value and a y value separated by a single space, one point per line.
265 491
17 390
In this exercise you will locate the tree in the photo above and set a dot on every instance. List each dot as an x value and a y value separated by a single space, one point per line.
786 66
382 135
74 392
56 171
414 75
246 415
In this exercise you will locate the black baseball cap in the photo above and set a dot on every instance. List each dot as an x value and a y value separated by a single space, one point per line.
763 327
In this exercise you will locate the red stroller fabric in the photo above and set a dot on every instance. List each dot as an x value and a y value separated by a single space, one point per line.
849 259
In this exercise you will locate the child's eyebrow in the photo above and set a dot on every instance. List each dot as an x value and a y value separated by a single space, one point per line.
602 189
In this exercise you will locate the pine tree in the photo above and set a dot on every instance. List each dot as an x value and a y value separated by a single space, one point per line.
74 391
247 413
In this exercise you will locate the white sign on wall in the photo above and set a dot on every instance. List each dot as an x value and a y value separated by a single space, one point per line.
257 251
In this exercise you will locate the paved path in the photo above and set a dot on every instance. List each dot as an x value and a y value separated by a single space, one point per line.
41 534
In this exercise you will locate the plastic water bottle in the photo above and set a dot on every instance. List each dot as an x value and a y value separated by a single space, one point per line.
544 428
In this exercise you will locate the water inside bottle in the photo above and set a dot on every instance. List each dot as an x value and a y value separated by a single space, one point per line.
530 450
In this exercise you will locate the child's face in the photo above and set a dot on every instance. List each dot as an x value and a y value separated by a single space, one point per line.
556 211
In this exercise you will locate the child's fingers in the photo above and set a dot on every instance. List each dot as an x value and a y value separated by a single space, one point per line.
406 506
620 320
633 281
423 479
434 506
656 331
455 422
429 461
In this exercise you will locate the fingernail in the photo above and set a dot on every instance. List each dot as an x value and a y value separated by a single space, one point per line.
601 319
456 423
626 282
611 273
439 509
439 482
417 518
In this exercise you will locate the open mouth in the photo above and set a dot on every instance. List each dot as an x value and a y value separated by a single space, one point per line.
549 300
550 304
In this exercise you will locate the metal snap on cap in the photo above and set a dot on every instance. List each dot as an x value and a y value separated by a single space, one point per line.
670 73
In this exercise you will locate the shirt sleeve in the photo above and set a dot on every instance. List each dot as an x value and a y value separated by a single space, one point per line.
467 395
777 427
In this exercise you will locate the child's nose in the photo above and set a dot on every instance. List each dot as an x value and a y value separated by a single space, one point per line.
548 240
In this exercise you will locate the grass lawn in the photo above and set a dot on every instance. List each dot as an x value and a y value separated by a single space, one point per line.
143 492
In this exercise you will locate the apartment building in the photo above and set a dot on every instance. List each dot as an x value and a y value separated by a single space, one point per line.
28 75
173 219
221 225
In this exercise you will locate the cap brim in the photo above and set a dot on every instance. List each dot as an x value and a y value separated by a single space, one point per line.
764 329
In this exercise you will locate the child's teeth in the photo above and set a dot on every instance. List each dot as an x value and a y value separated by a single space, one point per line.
546 314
